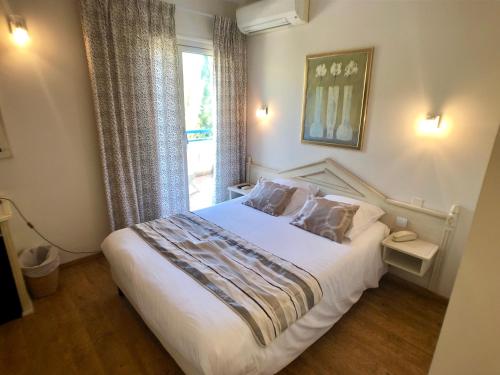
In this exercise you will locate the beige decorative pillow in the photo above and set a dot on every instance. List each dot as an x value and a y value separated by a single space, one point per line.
303 192
326 218
270 197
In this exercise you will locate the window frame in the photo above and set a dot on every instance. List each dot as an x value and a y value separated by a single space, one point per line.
191 49
196 50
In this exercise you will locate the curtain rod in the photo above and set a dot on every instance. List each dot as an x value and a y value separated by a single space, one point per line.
184 9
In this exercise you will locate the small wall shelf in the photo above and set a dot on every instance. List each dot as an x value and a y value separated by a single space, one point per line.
415 256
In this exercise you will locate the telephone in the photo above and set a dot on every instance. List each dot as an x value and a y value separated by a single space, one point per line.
404 236
247 187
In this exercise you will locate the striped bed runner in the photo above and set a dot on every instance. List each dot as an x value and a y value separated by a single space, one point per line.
267 292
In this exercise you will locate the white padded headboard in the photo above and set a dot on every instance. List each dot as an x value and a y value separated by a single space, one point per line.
332 178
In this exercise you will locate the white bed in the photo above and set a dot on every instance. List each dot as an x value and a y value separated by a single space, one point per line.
205 336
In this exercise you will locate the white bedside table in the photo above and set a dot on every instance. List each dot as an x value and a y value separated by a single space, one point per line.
414 257
235 191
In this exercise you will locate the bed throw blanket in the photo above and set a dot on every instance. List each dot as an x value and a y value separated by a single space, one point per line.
267 292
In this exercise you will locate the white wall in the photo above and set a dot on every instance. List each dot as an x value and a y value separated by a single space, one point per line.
199 26
431 56
46 102
468 343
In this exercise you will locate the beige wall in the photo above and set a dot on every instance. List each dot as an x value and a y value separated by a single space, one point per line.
469 338
430 56
46 102
199 26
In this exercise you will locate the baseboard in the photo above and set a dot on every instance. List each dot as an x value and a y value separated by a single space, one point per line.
81 260
417 288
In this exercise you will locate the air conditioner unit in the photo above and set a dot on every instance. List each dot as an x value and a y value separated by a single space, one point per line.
265 15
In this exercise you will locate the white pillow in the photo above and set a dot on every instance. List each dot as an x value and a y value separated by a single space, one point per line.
299 198
366 215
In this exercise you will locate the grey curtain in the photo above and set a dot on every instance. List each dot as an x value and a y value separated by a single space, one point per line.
132 56
230 63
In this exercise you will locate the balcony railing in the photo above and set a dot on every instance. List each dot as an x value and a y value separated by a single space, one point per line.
199 135
201 158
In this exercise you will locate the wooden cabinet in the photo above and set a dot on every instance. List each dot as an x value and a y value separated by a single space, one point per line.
14 297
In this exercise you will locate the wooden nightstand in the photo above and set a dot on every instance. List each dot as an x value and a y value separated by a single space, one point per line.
235 191
414 256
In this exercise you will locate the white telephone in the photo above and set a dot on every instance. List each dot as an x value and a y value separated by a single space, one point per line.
404 236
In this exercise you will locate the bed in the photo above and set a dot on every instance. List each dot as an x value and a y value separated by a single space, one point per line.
203 334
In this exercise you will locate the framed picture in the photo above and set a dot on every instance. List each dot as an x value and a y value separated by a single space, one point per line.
4 143
335 98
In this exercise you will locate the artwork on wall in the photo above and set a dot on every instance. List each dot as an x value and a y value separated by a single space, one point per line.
335 97
4 144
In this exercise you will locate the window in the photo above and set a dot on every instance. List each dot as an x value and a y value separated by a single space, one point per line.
199 112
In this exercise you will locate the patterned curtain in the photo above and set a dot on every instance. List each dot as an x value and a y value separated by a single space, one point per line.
230 61
132 56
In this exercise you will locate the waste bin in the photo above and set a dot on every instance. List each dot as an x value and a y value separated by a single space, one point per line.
40 267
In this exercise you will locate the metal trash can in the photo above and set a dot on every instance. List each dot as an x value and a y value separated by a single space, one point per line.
40 267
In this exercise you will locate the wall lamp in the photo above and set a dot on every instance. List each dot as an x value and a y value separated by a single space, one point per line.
18 30
435 125
432 121
262 111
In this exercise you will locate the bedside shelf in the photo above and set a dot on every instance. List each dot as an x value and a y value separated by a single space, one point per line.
415 257
235 191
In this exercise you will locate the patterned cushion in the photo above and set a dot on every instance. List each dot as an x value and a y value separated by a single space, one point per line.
270 197
326 218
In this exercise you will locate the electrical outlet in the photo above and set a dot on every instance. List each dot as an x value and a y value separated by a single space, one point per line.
401 221
416 201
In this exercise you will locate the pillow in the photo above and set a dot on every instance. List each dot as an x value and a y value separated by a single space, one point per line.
269 197
364 218
303 192
326 218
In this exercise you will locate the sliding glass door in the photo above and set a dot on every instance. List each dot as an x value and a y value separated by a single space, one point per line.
199 107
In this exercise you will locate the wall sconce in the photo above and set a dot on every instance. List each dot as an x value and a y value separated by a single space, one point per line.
433 121
18 30
262 111
430 123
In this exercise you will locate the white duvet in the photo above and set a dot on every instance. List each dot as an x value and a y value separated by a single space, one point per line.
205 336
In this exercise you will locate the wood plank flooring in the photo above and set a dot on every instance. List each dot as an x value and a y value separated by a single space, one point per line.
86 328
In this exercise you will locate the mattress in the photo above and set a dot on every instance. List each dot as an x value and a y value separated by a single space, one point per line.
205 336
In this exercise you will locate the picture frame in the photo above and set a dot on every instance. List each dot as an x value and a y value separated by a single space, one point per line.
5 151
336 90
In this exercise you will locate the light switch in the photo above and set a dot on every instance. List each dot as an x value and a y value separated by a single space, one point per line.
401 221
416 201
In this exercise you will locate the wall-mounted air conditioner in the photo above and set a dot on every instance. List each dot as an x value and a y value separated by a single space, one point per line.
265 15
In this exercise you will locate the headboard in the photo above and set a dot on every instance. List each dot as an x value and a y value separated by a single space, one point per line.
332 178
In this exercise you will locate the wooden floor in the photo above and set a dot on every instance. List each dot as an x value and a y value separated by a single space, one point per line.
86 328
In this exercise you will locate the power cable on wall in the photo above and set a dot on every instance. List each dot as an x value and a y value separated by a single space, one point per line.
32 227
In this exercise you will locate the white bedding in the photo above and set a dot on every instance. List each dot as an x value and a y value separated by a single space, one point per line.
205 336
